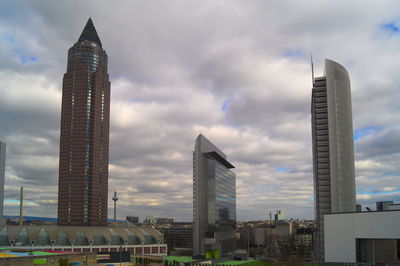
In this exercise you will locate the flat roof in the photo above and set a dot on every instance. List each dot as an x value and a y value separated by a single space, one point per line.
363 212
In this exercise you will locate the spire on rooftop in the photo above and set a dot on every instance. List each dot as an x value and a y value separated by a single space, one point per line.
89 33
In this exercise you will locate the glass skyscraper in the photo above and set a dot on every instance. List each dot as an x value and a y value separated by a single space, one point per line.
214 201
84 137
333 148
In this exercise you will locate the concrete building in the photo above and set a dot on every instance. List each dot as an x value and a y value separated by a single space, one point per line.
260 235
150 220
387 206
132 219
285 232
362 237
214 201
138 240
2 174
164 220
303 238
333 148
84 137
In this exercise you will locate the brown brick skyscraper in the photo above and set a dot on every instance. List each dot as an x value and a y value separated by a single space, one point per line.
84 140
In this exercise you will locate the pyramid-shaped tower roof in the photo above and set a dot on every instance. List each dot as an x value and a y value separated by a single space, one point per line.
89 33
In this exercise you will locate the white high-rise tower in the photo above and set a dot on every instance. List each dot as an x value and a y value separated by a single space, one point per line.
333 148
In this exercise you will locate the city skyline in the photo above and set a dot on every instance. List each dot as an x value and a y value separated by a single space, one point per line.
236 73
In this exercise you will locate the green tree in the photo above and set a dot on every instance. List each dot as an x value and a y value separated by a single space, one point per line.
64 262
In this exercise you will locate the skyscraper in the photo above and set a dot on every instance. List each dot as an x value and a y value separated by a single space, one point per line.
84 138
214 201
2 173
333 148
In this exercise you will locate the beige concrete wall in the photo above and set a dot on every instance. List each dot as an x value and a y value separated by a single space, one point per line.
342 230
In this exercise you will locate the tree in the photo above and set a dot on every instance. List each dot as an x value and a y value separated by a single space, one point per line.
64 262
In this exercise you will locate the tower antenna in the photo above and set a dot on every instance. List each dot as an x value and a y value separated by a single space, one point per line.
312 71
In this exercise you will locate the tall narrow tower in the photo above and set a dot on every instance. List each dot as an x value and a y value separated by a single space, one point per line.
21 206
333 148
84 138
115 199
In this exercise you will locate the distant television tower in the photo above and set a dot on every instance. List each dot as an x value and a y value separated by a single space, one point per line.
115 198
21 205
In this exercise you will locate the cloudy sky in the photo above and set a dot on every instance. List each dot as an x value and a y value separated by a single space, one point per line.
236 71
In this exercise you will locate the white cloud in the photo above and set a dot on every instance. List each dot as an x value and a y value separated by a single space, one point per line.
172 67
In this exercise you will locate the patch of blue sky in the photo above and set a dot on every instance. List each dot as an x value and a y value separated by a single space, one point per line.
362 132
23 57
293 53
7 38
390 173
11 201
224 105
282 169
391 27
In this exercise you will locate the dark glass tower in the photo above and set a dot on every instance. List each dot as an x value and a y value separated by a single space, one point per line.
214 201
84 138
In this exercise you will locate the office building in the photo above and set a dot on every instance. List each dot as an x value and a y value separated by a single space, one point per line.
132 219
333 151
2 175
303 238
279 216
387 206
84 138
214 201
150 220
179 236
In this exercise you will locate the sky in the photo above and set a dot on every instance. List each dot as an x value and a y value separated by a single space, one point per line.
235 71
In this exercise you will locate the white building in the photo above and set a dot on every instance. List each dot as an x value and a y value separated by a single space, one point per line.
333 149
362 237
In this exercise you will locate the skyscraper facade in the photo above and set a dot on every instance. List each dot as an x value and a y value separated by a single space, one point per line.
214 201
84 137
333 148
2 174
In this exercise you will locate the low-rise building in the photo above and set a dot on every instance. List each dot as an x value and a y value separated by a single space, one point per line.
137 240
362 237
179 236
285 232
164 220
132 219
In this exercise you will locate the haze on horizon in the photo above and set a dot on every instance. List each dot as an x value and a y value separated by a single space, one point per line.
236 71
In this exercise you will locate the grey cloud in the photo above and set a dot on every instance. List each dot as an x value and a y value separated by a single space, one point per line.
172 65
